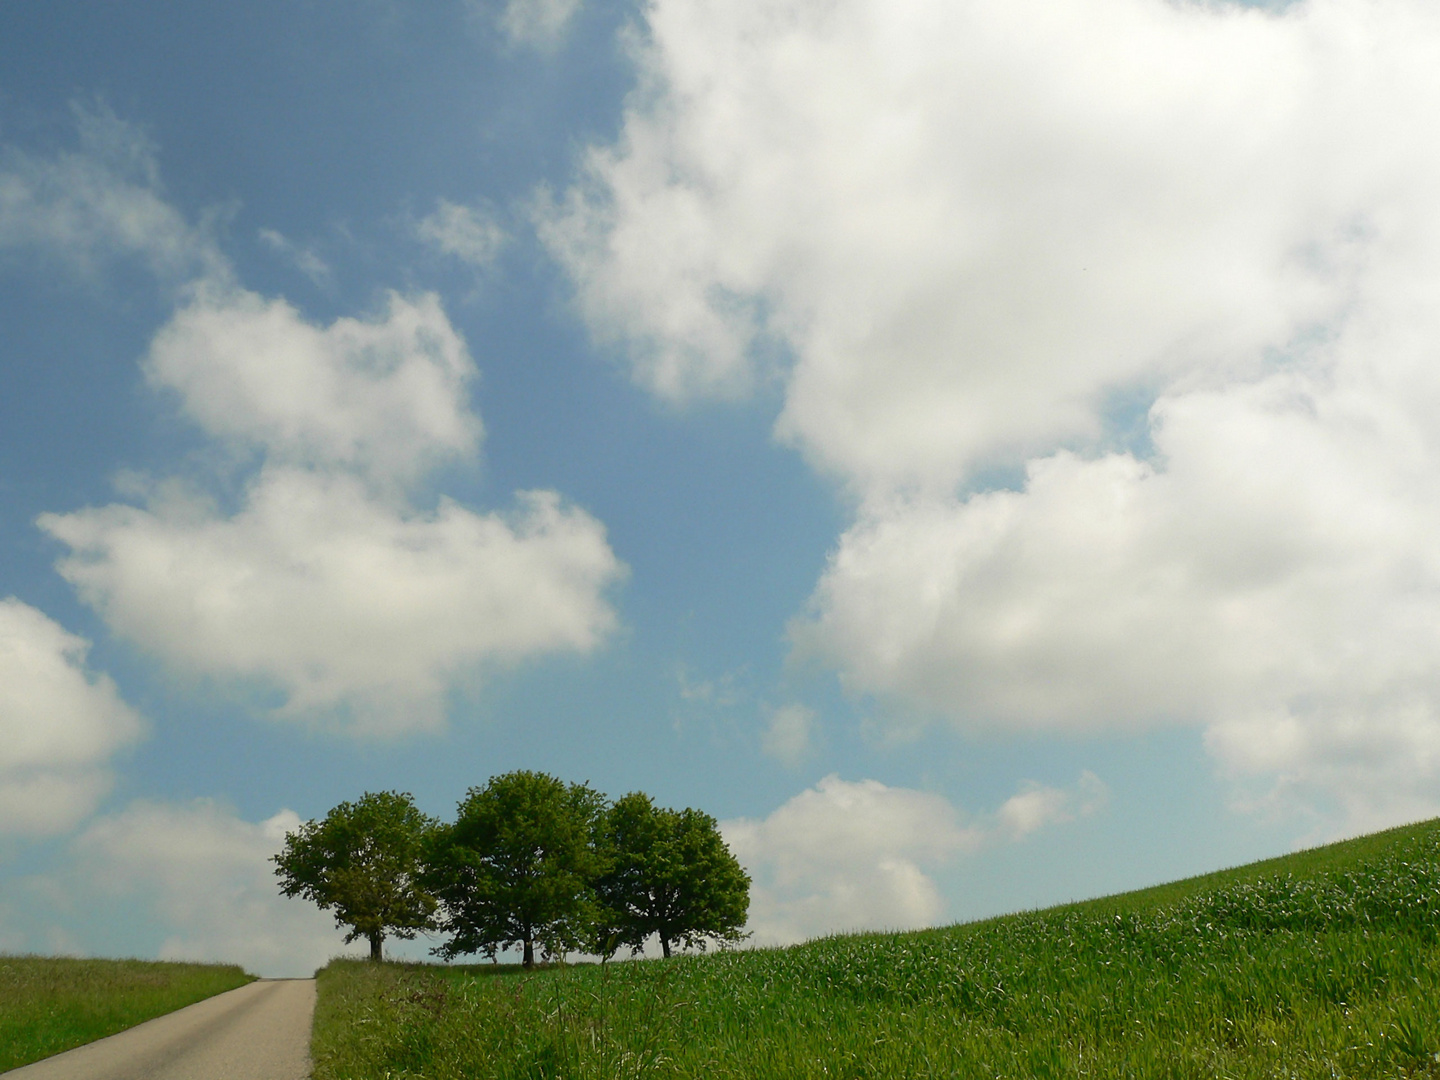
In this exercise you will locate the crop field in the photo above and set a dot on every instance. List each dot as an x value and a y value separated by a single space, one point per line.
1321 964
50 1004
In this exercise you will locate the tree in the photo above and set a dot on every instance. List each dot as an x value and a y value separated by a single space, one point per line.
516 867
364 861
670 874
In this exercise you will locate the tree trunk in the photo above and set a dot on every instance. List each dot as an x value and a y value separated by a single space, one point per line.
529 953
665 946
376 937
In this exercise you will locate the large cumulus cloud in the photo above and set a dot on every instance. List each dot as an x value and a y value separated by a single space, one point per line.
1168 265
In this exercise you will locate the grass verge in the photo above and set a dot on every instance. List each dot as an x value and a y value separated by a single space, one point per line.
1321 964
50 1004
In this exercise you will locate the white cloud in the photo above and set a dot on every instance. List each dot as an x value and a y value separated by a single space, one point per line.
538 23
1272 576
101 202
471 235
305 259
952 214
787 737
202 876
1037 806
59 725
320 578
385 396
847 856
975 236
339 599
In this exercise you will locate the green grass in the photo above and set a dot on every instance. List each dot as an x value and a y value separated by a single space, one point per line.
50 1004
1320 964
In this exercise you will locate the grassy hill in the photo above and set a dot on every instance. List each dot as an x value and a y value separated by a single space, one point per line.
1325 963
49 1004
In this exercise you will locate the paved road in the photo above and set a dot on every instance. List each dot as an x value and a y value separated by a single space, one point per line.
258 1032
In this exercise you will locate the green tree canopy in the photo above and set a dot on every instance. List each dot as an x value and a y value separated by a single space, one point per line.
363 860
517 866
670 874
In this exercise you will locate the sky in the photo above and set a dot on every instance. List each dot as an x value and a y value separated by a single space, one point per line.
986 454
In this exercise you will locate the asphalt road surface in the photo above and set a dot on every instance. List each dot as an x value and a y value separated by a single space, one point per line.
258 1032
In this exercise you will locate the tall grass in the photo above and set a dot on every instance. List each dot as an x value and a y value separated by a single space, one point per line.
1324 964
50 1004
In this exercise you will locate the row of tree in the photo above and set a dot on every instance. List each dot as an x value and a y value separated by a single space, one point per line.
530 862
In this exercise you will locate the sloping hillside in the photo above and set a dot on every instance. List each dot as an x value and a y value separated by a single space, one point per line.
1325 963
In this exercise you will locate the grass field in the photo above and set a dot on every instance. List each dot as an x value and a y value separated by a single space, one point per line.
1321 964
49 1004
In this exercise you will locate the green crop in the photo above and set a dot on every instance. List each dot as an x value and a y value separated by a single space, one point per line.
1324 964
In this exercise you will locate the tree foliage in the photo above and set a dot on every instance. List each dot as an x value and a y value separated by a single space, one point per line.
529 861
670 874
517 866
363 860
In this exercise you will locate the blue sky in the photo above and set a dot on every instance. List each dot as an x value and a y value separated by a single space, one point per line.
983 454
